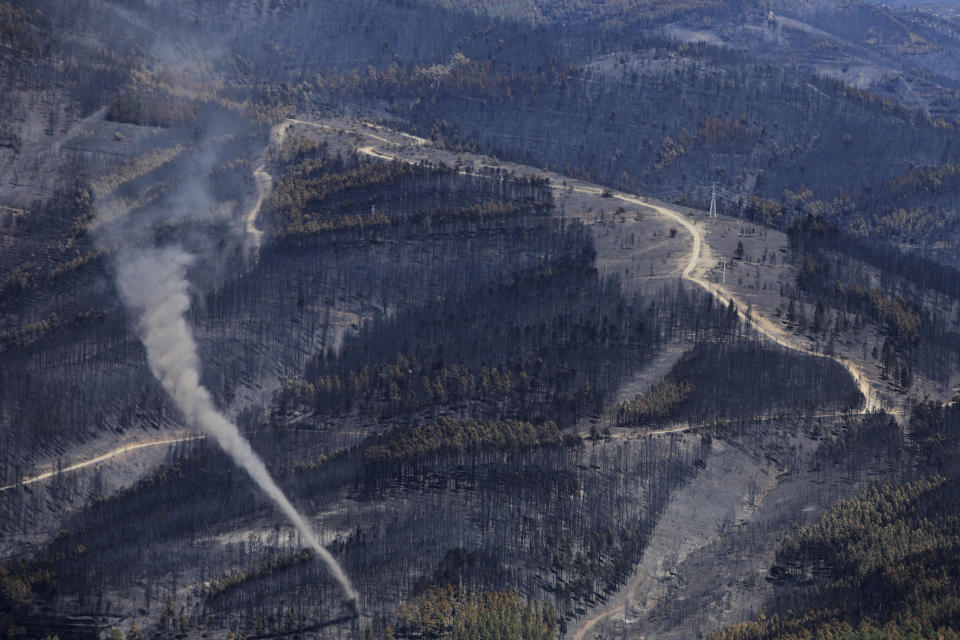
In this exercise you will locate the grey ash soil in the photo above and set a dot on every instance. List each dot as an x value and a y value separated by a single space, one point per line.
743 499
732 482
707 563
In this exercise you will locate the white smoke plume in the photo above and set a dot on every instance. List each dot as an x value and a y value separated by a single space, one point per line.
153 284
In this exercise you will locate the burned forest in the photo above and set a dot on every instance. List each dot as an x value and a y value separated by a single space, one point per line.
455 320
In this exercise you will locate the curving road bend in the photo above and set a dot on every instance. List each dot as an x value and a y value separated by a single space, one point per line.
264 183
698 251
761 323
699 248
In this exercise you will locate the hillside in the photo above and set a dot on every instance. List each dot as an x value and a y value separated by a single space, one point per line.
407 319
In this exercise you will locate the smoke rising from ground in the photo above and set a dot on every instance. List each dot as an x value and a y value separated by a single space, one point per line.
152 283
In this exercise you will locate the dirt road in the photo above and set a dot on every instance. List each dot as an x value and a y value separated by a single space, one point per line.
699 257
694 271
264 182
697 263
112 453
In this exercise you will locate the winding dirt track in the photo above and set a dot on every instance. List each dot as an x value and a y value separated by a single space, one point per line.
761 323
695 264
264 183
698 248
691 272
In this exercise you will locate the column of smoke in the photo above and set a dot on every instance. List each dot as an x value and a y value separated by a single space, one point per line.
153 284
